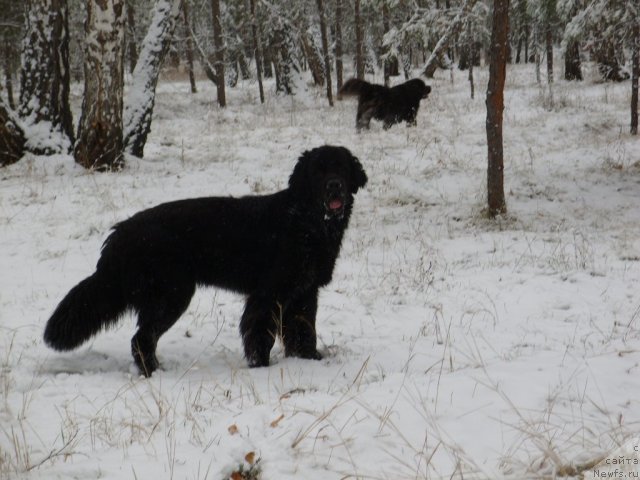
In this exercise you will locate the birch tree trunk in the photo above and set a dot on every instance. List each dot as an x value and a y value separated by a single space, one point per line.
44 80
100 143
141 99
495 107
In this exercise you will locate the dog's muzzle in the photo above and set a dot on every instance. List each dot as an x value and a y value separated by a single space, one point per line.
334 199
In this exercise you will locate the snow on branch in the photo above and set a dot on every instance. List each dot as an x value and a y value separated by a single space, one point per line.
442 44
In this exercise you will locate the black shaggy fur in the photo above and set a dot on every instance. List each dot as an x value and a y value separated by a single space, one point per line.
390 105
277 249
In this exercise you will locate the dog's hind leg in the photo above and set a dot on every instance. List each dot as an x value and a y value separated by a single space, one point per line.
299 327
261 320
159 312
364 115
412 118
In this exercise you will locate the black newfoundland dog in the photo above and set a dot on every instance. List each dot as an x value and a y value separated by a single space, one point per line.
391 105
277 249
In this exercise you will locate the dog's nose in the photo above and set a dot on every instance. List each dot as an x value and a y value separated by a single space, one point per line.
334 184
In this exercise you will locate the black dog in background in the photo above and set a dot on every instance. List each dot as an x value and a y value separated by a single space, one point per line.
389 104
277 249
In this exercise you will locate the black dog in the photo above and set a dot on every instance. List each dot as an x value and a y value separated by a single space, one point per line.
391 105
277 249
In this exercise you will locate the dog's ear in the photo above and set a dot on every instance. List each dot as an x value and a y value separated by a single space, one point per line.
358 176
299 179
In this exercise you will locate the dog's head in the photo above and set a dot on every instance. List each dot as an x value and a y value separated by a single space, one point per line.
328 176
423 90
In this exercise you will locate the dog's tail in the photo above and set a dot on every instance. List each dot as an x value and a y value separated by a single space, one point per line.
93 304
353 87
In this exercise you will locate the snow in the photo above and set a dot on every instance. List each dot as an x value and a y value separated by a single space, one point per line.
455 346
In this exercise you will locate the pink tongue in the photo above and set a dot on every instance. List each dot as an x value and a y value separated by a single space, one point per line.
335 204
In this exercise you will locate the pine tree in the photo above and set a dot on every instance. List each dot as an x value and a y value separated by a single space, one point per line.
495 107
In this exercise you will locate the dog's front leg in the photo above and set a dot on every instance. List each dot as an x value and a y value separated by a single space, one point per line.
259 328
299 327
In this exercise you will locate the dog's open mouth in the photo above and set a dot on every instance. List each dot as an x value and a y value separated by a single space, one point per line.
335 204
334 198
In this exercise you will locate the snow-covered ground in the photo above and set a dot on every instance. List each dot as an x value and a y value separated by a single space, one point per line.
455 346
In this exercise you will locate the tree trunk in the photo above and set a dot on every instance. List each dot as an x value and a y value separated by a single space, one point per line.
130 35
11 34
286 66
325 51
267 61
536 52
548 35
455 26
141 98
8 72
190 66
635 71
209 69
11 137
359 42
338 45
100 144
44 80
314 58
572 64
218 43
526 43
495 107
257 48
472 53
385 29
607 61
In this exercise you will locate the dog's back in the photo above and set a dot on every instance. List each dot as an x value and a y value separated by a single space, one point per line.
362 89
